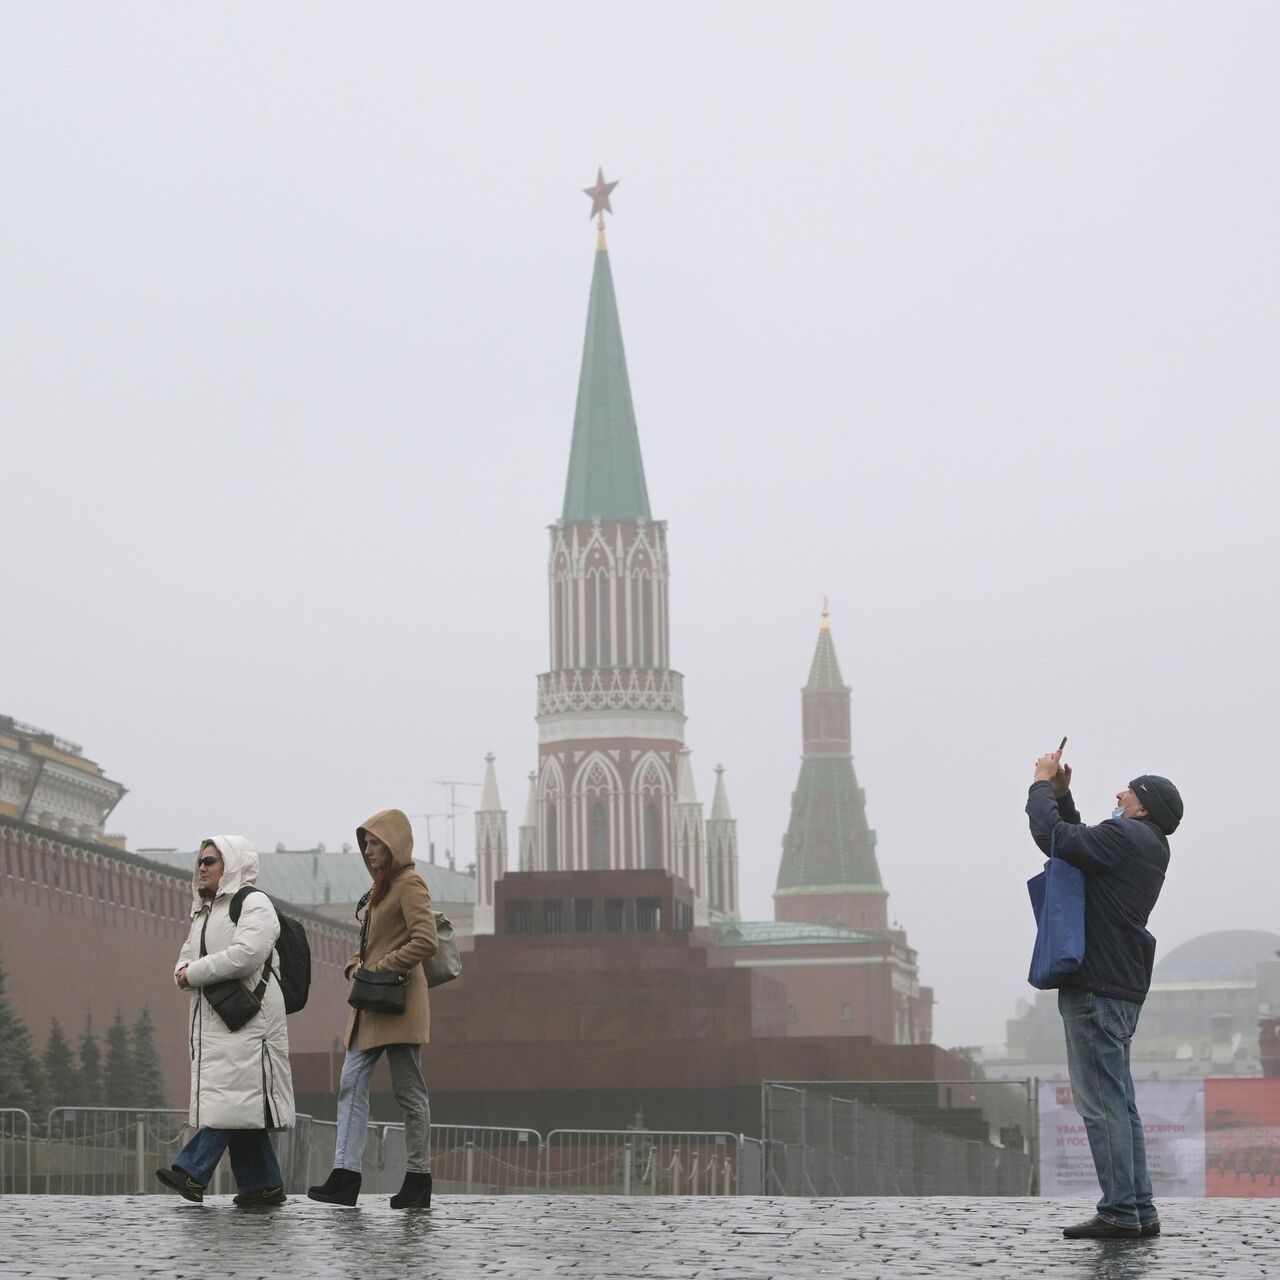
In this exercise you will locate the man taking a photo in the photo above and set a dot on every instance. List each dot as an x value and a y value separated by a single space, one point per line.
1123 861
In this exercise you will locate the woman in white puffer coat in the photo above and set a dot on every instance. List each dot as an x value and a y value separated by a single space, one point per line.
241 1085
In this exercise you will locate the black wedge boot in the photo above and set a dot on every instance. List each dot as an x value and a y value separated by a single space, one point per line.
414 1193
342 1186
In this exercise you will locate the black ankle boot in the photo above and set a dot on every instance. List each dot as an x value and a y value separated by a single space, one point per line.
414 1193
342 1186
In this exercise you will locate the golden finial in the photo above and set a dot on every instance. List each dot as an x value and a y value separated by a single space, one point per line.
826 615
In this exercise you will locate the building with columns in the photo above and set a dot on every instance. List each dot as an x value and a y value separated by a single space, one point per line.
48 781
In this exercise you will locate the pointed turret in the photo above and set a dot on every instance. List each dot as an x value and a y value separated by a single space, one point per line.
528 834
491 847
824 670
829 873
606 474
489 802
686 792
689 833
720 804
722 855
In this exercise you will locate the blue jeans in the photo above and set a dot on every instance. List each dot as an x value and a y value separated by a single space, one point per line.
410 1090
253 1159
1099 1030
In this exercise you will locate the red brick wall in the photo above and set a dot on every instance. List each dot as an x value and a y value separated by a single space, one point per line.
839 910
84 931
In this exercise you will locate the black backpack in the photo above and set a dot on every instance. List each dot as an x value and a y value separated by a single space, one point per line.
293 948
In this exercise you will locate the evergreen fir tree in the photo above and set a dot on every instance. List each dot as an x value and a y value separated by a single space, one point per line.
148 1071
90 1067
117 1079
62 1080
20 1076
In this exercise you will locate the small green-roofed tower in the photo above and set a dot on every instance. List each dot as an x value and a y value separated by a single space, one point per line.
606 474
829 873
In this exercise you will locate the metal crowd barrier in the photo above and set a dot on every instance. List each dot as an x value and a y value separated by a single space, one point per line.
637 1162
15 1151
820 1139
917 1138
465 1160
99 1151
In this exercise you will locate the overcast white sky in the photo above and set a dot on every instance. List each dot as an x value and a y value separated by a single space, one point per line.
966 315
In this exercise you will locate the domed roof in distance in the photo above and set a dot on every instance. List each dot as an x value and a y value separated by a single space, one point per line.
1226 956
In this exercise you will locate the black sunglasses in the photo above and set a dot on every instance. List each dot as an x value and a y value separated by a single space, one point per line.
208 862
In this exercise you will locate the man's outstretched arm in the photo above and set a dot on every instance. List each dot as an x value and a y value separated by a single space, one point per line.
1050 815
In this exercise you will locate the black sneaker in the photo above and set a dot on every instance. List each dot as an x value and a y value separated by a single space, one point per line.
1100 1229
267 1198
183 1183
1151 1228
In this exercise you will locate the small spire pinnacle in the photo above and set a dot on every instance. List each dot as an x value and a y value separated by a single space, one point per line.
720 811
826 615
489 802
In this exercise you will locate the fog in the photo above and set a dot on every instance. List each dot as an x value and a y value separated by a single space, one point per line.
965 316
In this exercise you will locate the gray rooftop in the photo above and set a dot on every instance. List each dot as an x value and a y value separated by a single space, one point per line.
316 877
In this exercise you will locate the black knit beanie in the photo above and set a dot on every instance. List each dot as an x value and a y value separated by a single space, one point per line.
1160 799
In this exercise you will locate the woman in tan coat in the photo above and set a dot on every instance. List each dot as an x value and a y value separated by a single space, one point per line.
399 932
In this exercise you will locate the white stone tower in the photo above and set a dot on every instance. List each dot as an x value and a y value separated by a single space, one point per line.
491 847
722 856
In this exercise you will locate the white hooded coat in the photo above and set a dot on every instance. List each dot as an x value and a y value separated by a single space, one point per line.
239 1079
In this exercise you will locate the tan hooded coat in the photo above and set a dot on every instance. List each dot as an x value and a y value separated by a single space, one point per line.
402 934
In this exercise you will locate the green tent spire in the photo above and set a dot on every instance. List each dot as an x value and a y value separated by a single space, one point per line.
829 846
606 475
824 672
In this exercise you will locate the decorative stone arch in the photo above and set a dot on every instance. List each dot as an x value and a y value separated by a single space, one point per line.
551 804
653 789
596 552
598 789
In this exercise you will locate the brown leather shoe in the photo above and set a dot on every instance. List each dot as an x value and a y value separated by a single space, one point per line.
1100 1229
1151 1228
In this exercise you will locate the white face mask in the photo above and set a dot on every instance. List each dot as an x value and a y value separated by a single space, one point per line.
1118 811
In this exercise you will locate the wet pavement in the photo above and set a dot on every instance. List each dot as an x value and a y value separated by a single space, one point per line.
746 1238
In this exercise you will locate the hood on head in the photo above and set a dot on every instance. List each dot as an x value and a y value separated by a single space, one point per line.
239 866
393 829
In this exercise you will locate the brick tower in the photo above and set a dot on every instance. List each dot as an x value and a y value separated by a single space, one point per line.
829 873
610 709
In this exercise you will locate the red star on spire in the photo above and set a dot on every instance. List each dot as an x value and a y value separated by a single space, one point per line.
600 196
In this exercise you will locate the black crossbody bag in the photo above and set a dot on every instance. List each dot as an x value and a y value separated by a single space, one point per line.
375 992
231 1000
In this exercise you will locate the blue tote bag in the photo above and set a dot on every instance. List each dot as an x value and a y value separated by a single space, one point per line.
1057 898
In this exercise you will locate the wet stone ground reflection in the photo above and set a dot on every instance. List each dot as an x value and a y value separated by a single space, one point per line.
46 1237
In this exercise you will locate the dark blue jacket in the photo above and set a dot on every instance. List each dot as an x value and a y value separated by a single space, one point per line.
1124 861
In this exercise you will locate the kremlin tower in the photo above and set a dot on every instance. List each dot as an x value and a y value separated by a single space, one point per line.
829 873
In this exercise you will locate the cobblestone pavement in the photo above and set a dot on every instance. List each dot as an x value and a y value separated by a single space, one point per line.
42 1237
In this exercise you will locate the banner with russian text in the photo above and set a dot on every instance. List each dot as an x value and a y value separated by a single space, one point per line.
1173 1121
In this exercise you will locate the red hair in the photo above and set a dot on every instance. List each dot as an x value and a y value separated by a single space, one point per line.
382 883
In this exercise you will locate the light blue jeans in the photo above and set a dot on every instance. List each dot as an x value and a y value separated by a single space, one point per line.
410 1091
1099 1030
